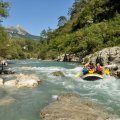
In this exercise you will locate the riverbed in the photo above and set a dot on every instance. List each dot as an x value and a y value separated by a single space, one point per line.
26 103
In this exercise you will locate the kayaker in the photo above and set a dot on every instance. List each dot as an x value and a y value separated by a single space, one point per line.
99 69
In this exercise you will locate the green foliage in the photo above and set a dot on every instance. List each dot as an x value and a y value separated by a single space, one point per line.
4 42
3 10
88 39
61 21
93 25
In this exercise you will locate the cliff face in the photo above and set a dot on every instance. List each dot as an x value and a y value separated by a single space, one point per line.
105 57
108 57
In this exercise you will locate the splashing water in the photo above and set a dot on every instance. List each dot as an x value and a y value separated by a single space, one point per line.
28 102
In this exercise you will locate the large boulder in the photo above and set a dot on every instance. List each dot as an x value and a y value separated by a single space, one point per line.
58 73
1 81
27 80
113 67
3 62
118 73
68 58
71 107
11 83
105 56
21 80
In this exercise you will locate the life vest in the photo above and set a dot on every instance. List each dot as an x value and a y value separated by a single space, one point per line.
91 71
85 71
98 68
90 66
106 72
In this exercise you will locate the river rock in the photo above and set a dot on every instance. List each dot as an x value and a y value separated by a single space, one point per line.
118 73
71 107
113 67
1 81
3 62
27 80
58 73
68 58
11 83
106 56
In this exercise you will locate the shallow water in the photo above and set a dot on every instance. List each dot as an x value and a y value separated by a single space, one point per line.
26 104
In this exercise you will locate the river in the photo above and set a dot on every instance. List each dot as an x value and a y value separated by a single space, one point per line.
27 102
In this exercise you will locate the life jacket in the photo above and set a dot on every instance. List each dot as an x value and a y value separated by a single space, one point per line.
106 71
91 71
90 66
98 68
85 71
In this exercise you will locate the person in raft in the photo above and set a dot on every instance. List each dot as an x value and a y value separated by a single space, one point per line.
90 65
99 69
85 69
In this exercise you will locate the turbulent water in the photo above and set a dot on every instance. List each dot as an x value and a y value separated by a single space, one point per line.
26 104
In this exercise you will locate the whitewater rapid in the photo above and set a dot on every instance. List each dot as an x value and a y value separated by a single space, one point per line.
105 92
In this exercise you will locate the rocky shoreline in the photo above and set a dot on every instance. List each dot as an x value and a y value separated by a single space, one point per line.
107 57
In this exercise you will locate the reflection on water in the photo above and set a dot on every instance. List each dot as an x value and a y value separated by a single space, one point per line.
25 104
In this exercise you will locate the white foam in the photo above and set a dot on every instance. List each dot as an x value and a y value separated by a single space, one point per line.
54 97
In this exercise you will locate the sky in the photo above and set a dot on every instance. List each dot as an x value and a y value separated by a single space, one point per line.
36 15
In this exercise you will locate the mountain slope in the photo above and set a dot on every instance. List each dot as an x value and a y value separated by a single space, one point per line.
19 32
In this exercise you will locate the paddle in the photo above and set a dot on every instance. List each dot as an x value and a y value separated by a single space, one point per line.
78 74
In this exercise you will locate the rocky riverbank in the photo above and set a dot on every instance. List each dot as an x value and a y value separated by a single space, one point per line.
108 57
71 107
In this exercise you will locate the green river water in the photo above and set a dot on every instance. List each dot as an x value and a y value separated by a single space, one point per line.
28 102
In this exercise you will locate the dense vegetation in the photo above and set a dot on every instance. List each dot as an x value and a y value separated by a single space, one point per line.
92 25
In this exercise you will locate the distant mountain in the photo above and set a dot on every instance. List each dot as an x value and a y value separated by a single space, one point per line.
19 32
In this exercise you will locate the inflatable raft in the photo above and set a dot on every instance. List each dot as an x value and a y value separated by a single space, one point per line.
92 77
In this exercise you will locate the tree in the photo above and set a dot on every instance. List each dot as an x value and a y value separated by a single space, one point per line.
4 38
61 21
3 10
43 34
4 42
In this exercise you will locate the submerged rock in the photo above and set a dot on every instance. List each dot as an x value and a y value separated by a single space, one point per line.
58 73
71 107
6 100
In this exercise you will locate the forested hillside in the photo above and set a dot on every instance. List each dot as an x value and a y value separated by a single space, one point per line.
12 47
91 26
